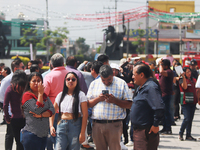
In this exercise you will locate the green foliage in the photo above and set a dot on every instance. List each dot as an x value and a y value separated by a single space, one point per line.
99 49
140 49
26 40
55 37
82 47
31 36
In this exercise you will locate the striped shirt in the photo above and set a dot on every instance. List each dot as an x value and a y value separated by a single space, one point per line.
104 110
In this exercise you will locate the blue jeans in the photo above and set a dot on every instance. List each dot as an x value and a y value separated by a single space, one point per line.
68 132
31 141
52 140
167 115
188 112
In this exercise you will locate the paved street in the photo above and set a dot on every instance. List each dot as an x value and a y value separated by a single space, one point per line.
167 142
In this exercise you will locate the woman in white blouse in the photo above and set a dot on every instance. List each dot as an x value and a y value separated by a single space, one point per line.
73 113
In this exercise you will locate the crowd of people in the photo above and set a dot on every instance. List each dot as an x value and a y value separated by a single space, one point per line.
70 105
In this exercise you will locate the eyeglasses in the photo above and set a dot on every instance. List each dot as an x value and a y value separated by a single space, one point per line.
72 79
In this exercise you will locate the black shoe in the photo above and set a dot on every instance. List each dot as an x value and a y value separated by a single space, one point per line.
173 124
161 131
161 123
181 137
167 132
3 122
90 139
190 138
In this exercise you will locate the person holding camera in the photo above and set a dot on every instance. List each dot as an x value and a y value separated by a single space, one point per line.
109 96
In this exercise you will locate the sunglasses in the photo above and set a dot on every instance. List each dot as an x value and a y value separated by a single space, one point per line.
72 79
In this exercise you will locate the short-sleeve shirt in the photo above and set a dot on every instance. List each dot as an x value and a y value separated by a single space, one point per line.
166 83
109 111
198 82
67 103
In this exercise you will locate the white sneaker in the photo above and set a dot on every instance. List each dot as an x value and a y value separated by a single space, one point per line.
123 147
130 143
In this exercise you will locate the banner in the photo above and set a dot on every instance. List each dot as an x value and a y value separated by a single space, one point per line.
135 32
163 48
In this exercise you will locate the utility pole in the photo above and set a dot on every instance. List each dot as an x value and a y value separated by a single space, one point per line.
127 46
47 46
180 37
108 12
147 30
116 13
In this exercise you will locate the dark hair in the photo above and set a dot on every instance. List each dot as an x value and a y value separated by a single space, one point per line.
38 61
33 68
103 58
15 64
88 67
75 106
27 88
138 63
96 66
178 63
7 69
18 81
105 71
71 60
184 69
143 68
166 62
2 64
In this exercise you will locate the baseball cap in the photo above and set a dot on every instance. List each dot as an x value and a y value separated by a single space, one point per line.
114 65
193 62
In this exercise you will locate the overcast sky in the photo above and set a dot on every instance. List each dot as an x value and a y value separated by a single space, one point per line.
37 9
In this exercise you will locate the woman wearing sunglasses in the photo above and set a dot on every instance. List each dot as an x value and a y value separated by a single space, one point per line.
37 110
73 113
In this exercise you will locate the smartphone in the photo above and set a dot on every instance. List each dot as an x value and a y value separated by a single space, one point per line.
104 92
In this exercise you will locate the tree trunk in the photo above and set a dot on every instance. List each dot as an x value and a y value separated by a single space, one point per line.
34 54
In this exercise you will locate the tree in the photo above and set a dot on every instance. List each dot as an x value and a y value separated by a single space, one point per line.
55 38
140 49
30 36
82 48
99 49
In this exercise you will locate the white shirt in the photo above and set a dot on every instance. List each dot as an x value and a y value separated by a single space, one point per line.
198 82
66 104
5 83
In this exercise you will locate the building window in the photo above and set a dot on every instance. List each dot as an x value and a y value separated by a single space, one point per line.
27 25
171 10
7 28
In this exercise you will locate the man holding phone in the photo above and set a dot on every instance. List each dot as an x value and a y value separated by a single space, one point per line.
109 96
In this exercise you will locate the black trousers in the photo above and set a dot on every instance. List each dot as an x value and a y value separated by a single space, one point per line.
9 137
125 127
17 124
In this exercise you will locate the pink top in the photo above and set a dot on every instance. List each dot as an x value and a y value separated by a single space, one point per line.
157 76
54 82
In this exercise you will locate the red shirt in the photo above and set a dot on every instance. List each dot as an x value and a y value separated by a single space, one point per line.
188 93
